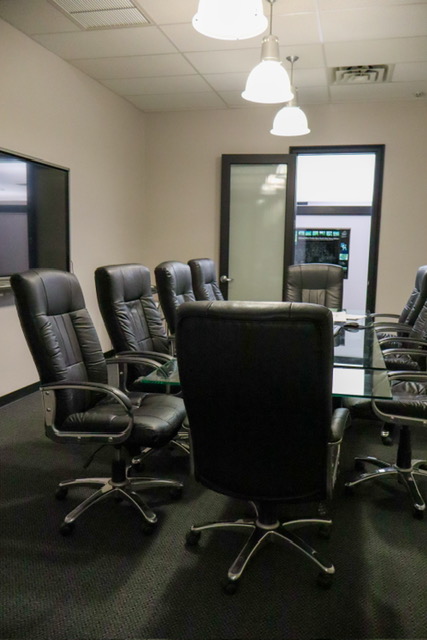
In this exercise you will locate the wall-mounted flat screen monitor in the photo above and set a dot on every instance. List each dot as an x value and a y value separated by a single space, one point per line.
323 245
34 215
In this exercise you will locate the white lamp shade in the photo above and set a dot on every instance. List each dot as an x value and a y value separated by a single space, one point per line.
268 83
290 121
230 19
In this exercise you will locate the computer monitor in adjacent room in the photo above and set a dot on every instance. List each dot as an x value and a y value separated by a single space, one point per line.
323 245
34 215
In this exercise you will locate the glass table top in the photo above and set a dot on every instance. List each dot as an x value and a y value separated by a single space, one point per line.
356 346
347 381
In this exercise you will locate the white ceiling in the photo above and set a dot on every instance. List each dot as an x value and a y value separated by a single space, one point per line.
166 65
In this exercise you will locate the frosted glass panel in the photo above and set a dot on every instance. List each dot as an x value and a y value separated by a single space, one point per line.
257 231
336 179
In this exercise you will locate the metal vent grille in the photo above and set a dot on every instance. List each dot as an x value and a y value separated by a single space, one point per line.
102 14
363 74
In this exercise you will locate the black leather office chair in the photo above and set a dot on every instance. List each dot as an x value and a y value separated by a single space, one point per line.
80 406
317 283
132 319
135 327
261 422
174 286
412 308
407 409
203 275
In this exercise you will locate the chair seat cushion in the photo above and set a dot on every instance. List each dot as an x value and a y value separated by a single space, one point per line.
401 362
157 418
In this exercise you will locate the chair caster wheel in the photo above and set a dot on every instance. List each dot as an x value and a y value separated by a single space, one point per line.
192 538
324 580
175 493
324 531
147 528
61 493
359 465
229 586
66 528
418 515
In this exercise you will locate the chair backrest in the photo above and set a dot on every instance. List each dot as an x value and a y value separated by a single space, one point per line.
257 385
416 299
128 308
205 284
60 334
174 286
317 283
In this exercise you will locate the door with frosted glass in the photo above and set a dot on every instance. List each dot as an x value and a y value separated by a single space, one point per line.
257 223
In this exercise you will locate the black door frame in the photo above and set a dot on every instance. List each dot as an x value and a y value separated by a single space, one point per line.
379 151
227 160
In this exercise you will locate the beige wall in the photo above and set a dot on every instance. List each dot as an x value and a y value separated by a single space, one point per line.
146 187
183 178
51 111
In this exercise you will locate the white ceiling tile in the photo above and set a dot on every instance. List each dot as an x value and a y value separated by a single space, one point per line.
226 81
378 92
135 66
168 11
233 61
410 71
297 29
178 101
308 77
186 38
35 16
132 41
390 51
310 55
234 99
395 21
166 84
283 7
328 5
313 95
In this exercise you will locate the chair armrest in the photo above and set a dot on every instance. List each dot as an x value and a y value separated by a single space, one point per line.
55 433
409 342
152 355
383 315
339 423
410 409
391 326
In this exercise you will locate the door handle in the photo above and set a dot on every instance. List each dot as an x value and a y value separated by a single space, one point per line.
225 279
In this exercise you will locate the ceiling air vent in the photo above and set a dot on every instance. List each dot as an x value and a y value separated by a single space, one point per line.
102 14
363 74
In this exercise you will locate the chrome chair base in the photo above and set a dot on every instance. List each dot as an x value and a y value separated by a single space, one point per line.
260 534
405 476
125 488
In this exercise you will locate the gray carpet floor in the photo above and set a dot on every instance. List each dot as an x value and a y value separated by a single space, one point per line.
108 580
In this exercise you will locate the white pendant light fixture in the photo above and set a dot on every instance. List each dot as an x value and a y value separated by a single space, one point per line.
268 82
290 120
230 19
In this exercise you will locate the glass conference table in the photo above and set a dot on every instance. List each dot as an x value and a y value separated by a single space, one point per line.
359 368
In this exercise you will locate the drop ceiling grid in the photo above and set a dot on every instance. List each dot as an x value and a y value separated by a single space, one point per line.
169 59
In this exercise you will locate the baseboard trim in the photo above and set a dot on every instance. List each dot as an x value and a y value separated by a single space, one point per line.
18 394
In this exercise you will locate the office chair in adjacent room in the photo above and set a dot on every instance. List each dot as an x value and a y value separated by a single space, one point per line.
174 286
261 421
407 409
318 283
203 275
79 405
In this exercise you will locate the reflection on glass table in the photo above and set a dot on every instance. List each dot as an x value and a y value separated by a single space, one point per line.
351 381
356 342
